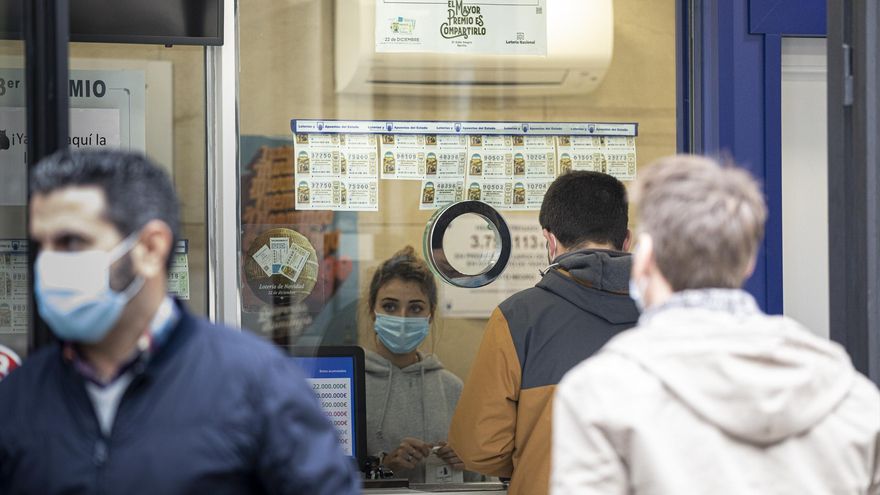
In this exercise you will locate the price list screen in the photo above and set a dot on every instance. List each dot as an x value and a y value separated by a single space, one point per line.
332 380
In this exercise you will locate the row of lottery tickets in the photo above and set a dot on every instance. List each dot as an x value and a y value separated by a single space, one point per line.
342 171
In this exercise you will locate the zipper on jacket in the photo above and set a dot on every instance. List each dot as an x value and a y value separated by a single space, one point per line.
101 452
100 456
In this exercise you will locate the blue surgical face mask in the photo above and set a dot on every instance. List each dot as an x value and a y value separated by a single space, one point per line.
401 334
73 292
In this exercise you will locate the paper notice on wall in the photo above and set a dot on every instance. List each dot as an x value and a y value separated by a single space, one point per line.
528 194
281 257
496 192
439 192
358 162
13 156
445 156
507 194
359 195
14 293
358 141
106 112
337 194
403 156
613 155
469 240
490 157
336 172
534 156
358 156
509 27
178 274
317 162
89 128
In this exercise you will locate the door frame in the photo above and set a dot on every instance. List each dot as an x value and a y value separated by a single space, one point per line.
730 100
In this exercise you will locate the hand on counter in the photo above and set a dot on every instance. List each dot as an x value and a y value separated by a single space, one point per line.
410 453
446 453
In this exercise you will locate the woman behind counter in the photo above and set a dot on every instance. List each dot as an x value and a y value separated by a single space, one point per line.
410 396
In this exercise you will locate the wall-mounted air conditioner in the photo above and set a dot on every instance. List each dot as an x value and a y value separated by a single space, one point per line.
580 42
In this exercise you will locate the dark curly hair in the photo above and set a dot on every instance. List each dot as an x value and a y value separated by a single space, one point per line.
407 266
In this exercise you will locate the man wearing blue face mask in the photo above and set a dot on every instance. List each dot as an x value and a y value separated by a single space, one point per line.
139 396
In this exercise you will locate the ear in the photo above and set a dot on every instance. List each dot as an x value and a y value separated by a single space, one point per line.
627 242
643 257
552 241
750 268
153 249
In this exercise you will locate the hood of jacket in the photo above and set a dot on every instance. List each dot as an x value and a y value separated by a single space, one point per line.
377 365
593 280
759 378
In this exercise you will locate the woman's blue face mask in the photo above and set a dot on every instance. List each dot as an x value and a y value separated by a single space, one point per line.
401 334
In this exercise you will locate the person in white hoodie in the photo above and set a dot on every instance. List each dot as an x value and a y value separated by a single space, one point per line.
708 395
410 396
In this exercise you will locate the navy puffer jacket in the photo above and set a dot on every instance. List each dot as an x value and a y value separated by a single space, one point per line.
213 411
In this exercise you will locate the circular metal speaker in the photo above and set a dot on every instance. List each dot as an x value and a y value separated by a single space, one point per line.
436 256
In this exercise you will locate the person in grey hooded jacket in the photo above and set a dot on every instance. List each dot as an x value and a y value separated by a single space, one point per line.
410 396
709 395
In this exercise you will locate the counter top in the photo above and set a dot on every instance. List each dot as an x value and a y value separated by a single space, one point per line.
399 491
455 489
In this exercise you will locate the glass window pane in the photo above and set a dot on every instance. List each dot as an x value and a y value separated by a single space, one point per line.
152 99
598 62
14 293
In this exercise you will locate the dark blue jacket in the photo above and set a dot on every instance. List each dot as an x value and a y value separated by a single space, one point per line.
215 411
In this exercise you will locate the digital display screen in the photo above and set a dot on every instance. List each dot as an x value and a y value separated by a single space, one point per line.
332 379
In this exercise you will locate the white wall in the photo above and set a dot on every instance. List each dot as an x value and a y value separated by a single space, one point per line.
805 182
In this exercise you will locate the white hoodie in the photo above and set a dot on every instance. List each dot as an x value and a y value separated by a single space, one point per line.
710 396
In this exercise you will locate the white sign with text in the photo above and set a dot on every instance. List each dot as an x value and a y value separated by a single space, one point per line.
508 27
106 111
469 244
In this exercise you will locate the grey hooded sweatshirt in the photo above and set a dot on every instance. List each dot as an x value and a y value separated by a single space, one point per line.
416 401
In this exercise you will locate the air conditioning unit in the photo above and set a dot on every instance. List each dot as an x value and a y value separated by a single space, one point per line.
580 42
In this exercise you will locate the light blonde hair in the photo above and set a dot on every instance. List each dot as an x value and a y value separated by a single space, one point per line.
706 220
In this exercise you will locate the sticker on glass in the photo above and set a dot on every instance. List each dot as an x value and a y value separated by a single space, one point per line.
352 141
495 192
445 164
491 164
592 161
445 156
317 162
358 163
403 164
482 142
403 156
529 194
317 194
621 165
436 193
359 195
316 140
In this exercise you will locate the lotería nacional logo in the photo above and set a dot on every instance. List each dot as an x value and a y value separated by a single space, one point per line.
401 25
463 21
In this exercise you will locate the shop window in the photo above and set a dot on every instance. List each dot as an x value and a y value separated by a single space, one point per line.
299 63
